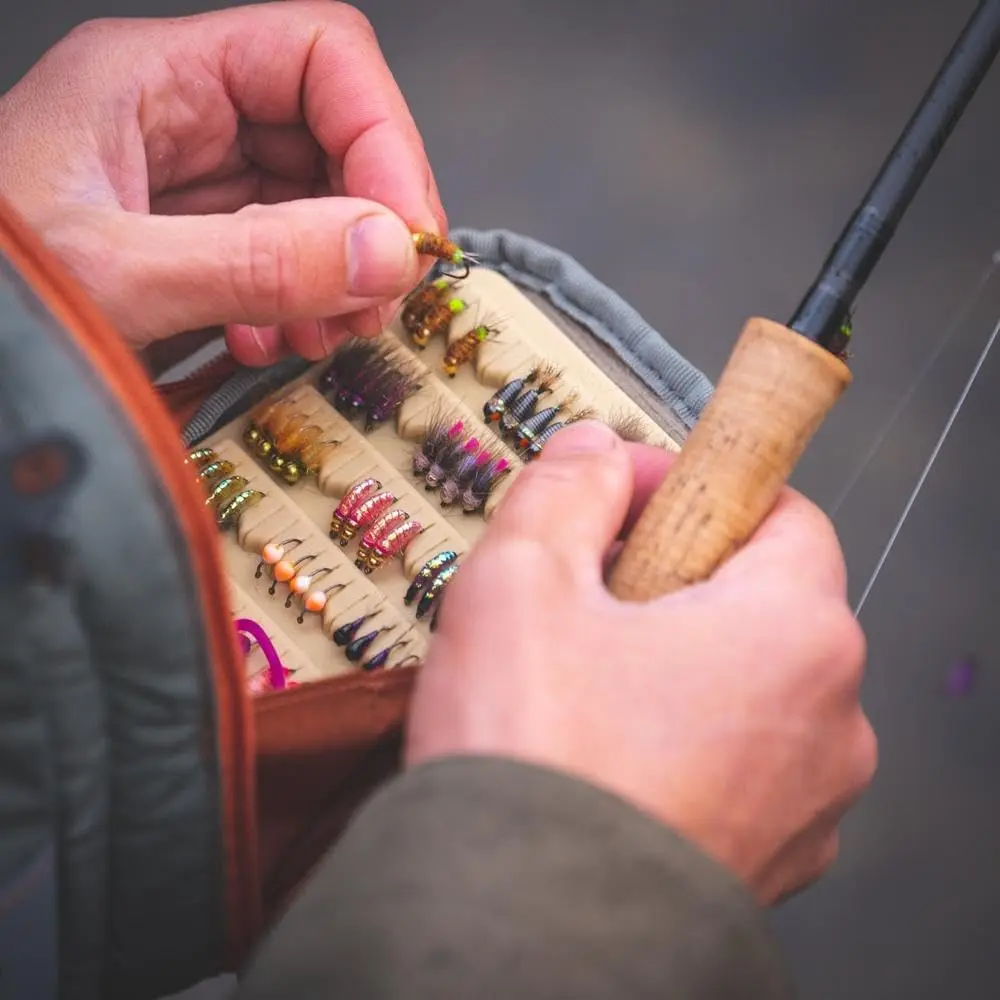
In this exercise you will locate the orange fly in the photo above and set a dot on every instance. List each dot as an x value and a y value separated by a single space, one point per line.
463 349
432 245
281 440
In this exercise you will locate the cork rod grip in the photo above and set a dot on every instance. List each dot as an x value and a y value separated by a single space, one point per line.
773 395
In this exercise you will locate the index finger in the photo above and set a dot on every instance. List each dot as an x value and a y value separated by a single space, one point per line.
649 467
320 62
796 540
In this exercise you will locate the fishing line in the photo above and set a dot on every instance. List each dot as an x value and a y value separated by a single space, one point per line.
925 369
953 416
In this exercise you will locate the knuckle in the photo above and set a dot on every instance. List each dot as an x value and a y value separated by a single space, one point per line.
88 252
817 855
262 273
865 755
91 30
848 643
816 533
827 854
87 42
348 17
85 252
851 646
838 643
803 507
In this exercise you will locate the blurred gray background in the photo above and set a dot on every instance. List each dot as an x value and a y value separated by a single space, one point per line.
701 158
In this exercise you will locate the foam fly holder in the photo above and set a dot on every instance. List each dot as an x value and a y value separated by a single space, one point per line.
155 816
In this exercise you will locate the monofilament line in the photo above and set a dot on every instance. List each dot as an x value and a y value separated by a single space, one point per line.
925 369
953 416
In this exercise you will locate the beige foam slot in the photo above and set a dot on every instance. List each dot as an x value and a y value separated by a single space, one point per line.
403 638
352 451
278 514
438 396
385 455
277 519
291 656
527 338
418 411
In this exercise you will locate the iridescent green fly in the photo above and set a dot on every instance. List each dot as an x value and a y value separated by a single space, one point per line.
841 342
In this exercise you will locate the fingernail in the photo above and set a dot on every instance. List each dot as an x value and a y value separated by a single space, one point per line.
586 437
379 256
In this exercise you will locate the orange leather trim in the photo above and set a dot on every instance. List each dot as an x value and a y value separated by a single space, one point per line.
128 383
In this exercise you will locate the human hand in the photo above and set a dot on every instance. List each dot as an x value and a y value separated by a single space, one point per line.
730 711
255 167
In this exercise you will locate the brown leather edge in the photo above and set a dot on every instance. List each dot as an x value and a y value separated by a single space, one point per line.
277 701
322 749
206 380
184 398
127 381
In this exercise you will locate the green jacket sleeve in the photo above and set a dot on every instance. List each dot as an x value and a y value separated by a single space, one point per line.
483 878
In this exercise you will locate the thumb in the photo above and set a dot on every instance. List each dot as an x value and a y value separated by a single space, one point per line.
263 265
571 501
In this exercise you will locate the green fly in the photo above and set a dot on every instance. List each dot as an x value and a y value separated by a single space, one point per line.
841 341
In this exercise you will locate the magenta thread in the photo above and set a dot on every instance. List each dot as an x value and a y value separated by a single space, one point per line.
276 670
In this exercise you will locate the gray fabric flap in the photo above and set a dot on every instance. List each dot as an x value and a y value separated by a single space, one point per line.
597 309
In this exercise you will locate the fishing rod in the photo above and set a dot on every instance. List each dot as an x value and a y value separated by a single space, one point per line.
781 380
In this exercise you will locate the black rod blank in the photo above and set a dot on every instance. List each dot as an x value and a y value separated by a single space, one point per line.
861 244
